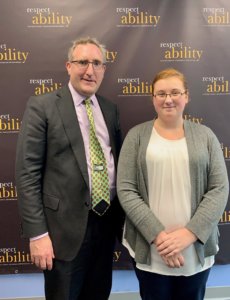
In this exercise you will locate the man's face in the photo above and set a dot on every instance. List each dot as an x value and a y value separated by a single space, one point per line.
86 80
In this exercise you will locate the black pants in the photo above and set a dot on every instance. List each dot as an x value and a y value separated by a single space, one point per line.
160 287
89 275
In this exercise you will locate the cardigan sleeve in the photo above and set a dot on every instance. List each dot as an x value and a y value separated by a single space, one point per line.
131 185
214 198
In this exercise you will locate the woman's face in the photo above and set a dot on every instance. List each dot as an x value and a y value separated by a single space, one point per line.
169 98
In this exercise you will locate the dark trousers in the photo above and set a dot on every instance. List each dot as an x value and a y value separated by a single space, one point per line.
160 287
89 275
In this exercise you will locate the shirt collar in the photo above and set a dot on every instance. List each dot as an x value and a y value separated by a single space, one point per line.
78 98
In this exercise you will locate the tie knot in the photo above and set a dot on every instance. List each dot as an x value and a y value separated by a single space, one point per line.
88 101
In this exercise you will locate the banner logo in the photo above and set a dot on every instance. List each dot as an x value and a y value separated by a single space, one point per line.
116 256
43 86
8 191
193 119
134 87
111 56
44 17
215 86
132 17
12 55
9 124
177 51
226 151
225 219
11 256
216 16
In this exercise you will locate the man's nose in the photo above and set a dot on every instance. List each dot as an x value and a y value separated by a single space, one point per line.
89 68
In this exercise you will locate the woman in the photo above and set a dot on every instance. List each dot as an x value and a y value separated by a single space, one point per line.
173 186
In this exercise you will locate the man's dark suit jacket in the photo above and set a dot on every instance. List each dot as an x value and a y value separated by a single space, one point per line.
51 170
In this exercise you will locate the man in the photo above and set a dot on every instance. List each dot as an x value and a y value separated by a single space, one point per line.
69 240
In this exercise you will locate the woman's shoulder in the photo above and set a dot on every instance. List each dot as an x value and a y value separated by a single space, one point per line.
138 133
198 131
197 127
141 128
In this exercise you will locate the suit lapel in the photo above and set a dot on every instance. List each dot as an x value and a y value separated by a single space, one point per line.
68 115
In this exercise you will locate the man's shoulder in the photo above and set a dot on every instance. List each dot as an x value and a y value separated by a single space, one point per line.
104 100
51 96
56 93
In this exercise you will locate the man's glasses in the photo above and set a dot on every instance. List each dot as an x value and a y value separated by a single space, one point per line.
84 64
174 95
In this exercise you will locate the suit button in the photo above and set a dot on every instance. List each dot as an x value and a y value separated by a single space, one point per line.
86 204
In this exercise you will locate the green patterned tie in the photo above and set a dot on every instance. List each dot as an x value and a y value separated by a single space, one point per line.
100 192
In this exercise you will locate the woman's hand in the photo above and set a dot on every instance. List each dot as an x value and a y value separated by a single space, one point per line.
175 261
174 242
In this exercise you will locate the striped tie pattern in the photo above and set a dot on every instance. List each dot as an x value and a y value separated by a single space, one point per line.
100 192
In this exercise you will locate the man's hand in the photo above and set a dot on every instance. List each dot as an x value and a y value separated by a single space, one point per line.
41 251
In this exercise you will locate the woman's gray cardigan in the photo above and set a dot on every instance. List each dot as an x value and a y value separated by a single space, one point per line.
209 189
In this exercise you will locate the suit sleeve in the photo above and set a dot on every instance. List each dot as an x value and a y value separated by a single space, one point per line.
30 159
